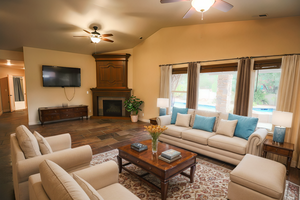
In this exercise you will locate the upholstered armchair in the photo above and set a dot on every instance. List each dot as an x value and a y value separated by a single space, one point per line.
62 154
101 183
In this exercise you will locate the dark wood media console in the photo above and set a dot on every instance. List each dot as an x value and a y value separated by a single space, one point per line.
47 114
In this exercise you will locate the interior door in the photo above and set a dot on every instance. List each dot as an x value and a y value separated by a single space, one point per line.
4 94
24 91
11 93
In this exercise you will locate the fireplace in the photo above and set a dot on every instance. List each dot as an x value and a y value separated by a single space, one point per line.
111 91
111 106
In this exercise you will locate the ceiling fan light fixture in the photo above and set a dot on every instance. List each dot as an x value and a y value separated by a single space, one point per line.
95 38
202 5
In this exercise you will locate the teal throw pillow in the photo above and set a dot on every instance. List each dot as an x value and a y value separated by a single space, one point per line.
177 110
204 123
245 125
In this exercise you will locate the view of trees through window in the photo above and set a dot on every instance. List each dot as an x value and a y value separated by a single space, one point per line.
265 95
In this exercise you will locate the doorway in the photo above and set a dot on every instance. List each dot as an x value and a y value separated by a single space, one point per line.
19 92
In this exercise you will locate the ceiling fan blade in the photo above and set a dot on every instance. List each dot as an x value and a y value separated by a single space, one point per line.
106 35
189 13
107 40
171 1
81 36
222 5
87 31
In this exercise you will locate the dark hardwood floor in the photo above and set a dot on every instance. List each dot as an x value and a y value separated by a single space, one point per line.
101 134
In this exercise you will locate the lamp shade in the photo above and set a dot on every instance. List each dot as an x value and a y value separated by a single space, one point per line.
95 38
163 102
284 119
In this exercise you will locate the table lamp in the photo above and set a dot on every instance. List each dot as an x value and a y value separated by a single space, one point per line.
162 103
281 120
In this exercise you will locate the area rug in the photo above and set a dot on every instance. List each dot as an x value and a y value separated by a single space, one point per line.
210 182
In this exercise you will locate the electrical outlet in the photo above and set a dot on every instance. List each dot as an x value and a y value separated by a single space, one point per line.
90 110
143 114
87 92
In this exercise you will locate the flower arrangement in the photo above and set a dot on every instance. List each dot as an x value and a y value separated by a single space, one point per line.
155 131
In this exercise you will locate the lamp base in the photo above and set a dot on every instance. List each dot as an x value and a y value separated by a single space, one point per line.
162 111
279 134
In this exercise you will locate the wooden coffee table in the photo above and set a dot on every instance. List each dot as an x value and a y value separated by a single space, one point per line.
150 163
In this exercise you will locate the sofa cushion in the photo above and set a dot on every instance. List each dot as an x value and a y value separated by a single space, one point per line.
89 190
198 136
226 127
183 120
116 192
177 110
175 131
192 112
58 184
204 123
206 113
245 125
27 142
43 144
262 175
233 144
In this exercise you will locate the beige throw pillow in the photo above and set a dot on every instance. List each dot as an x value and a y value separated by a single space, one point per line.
89 190
226 127
183 120
43 144
58 184
27 142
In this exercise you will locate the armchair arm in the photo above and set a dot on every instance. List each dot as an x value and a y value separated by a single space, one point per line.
67 159
164 120
59 142
256 141
101 175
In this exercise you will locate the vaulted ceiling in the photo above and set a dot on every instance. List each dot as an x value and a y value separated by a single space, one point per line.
52 24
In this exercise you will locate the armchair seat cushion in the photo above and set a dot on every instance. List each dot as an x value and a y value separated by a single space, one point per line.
175 131
116 192
233 144
198 136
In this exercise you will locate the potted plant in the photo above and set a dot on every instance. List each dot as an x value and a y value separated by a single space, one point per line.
132 105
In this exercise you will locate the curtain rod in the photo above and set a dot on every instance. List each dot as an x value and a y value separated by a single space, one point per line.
231 59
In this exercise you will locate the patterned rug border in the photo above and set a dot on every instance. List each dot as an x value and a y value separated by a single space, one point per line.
210 187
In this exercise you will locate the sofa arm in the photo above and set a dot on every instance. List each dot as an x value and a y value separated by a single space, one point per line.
164 120
67 159
100 176
256 141
59 142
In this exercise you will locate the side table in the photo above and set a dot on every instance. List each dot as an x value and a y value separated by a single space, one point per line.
284 149
153 121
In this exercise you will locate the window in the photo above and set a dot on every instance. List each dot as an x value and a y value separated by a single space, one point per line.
179 90
217 87
265 91
217 91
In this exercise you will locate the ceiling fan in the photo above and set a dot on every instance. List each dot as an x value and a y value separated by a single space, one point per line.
96 37
202 6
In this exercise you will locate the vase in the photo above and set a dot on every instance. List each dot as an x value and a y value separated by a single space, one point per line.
154 145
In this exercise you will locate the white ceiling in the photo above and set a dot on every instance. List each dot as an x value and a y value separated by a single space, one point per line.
51 24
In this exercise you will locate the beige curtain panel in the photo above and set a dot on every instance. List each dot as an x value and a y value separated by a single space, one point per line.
193 82
242 91
289 101
165 83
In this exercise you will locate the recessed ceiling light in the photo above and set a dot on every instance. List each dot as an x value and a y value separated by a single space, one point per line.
8 62
141 38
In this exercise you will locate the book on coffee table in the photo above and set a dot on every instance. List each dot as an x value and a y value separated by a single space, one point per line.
167 160
170 154
138 147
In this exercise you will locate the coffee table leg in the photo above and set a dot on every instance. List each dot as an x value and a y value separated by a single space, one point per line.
164 189
119 163
192 173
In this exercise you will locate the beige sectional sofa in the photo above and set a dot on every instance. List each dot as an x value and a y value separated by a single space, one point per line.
221 147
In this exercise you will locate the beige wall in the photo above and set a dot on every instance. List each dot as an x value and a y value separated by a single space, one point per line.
39 96
206 42
11 55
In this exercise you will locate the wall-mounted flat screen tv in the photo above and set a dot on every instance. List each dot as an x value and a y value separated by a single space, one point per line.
54 76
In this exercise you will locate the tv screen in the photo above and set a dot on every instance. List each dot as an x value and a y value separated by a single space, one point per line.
54 76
